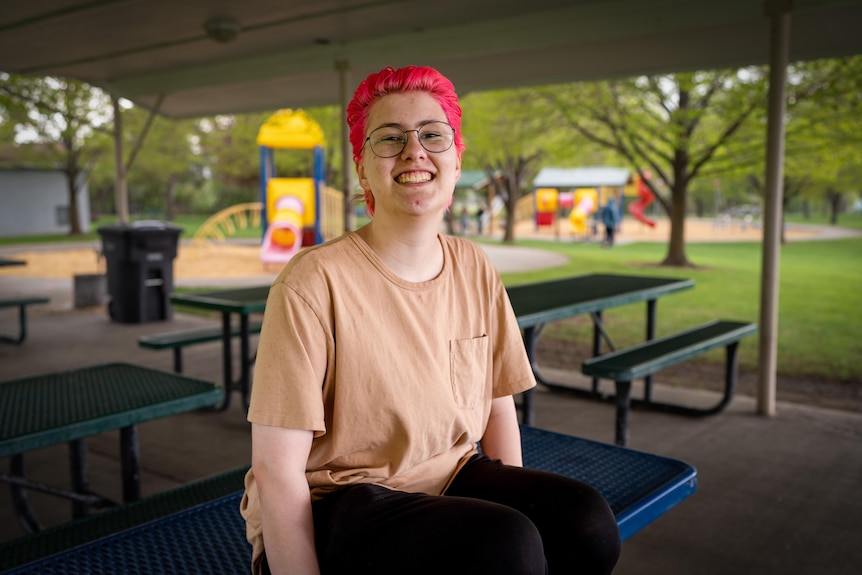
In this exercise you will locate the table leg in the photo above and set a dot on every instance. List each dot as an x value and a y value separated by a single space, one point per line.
22 328
623 401
227 360
130 463
20 496
79 470
597 342
650 334
245 360
527 397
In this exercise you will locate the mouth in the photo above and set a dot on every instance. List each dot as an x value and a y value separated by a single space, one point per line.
415 177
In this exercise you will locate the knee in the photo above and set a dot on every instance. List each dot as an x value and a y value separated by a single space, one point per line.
593 536
509 543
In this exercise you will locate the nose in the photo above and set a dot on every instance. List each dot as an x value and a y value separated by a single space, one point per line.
412 148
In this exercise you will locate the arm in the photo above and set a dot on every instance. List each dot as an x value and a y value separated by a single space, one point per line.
502 439
279 457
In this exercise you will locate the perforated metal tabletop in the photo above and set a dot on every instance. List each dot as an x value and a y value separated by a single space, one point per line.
53 408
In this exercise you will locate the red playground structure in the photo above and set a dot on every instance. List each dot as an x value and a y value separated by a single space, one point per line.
645 198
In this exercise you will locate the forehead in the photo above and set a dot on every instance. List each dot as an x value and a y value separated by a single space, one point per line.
407 109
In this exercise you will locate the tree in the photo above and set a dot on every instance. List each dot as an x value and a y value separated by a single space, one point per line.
672 125
504 138
63 115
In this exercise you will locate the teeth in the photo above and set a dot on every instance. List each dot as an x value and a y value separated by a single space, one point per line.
413 177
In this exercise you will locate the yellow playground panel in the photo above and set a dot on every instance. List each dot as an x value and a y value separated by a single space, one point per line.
583 206
292 206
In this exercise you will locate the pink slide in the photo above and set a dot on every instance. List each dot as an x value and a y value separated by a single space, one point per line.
645 198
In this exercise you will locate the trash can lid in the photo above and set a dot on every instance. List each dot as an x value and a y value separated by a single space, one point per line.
141 225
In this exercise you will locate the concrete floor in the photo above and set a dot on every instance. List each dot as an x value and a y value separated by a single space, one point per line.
780 495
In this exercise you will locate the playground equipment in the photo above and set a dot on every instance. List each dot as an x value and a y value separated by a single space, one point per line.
546 206
291 211
228 222
645 198
585 200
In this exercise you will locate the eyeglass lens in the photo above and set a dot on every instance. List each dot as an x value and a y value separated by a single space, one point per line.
389 141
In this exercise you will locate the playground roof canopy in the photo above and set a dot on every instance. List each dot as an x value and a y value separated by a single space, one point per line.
472 179
208 57
561 178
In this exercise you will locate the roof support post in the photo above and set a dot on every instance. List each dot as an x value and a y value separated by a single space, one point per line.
779 15
121 196
347 167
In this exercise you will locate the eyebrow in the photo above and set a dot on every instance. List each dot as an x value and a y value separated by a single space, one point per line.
401 127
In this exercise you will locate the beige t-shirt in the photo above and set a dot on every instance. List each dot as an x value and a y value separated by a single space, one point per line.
395 378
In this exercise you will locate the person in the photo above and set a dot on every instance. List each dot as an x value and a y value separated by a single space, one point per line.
465 221
610 218
386 355
480 218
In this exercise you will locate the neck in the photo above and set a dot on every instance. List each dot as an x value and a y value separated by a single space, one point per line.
414 255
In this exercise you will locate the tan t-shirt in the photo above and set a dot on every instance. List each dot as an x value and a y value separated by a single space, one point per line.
395 378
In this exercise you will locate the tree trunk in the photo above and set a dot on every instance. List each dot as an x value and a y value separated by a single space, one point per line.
676 247
834 206
171 198
511 202
74 217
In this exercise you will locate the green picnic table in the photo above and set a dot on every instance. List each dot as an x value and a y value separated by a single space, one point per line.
242 302
538 303
69 406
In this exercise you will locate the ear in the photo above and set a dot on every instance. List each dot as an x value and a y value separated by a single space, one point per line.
360 173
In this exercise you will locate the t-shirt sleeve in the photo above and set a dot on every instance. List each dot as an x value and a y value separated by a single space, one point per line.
291 364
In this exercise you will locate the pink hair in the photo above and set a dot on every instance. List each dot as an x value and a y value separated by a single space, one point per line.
392 81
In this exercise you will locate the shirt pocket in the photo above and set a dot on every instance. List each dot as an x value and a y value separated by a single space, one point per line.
468 359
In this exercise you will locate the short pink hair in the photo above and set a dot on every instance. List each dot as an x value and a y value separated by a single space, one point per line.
392 81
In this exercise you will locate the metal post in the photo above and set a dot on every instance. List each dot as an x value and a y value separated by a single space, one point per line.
779 16
121 197
347 167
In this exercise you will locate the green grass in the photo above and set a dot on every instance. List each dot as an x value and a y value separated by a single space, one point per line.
820 300
820 294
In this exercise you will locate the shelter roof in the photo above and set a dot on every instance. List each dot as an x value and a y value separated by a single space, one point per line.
581 177
206 57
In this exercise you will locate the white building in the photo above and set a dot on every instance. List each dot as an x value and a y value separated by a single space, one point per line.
36 202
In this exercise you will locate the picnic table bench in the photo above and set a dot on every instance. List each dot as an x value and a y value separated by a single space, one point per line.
645 359
21 303
177 340
209 537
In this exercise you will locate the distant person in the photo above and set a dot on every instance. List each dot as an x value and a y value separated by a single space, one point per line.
610 219
480 218
465 220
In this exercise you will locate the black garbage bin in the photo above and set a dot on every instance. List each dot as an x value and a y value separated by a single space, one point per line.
140 263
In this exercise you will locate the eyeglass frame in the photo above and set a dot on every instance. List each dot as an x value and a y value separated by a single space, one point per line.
405 139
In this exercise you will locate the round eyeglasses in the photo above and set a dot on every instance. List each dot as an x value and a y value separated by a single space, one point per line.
389 141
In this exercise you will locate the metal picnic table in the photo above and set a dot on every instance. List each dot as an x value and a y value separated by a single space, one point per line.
69 406
242 302
536 304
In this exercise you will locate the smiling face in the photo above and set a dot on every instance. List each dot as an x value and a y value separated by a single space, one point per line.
415 182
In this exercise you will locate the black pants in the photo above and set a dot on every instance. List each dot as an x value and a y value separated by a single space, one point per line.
493 519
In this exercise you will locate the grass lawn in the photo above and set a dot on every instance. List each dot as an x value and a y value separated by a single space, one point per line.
820 300
820 294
